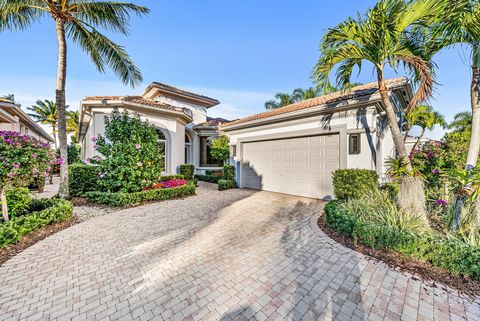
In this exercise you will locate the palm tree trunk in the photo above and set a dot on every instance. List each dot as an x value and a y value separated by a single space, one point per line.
3 199
54 129
417 143
474 147
60 101
392 119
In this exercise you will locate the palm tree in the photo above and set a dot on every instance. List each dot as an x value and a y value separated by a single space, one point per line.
384 37
46 113
424 117
461 123
80 20
73 118
281 100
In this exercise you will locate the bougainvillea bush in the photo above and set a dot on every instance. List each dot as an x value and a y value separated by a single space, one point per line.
132 158
171 183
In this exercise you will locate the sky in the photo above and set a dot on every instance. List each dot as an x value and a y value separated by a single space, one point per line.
240 52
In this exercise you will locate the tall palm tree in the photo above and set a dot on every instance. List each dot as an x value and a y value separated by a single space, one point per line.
425 118
461 123
463 27
73 118
80 20
45 112
281 100
385 36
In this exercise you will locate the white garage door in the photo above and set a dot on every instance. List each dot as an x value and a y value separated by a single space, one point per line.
299 166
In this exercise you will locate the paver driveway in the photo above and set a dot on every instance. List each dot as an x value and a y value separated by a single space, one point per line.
236 254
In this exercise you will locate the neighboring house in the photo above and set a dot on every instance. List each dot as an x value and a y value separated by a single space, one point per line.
294 149
180 117
411 140
13 118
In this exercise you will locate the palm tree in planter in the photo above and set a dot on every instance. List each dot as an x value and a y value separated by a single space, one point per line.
79 20
385 37
45 112
425 118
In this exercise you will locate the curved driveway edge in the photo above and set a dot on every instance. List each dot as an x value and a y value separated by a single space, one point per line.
232 255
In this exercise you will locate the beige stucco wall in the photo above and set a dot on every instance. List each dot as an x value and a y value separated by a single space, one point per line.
199 112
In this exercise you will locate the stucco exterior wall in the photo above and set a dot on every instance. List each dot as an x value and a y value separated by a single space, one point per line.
199 112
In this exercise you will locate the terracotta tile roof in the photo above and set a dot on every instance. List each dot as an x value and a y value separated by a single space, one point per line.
355 92
137 100
173 89
4 100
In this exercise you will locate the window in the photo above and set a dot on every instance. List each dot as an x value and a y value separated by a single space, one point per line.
162 141
188 149
206 159
354 144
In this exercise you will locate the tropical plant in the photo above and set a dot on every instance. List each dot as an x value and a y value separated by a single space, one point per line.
424 117
45 112
219 149
73 118
461 123
385 36
132 158
397 168
80 20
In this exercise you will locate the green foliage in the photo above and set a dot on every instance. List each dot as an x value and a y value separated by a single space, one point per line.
451 254
45 212
135 198
392 189
18 201
397 168
169 177
187 170
220 149
132 157
229 172
73 153
224 184
83 178
456 147
353 183
209 178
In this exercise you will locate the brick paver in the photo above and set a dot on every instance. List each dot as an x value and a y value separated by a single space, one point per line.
233 255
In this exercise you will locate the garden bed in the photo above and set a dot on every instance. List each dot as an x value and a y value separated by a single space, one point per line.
459 270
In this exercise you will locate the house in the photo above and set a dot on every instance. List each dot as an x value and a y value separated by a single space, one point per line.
13 118
294 149
180 117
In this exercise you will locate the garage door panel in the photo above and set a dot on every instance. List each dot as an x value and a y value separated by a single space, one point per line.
300 166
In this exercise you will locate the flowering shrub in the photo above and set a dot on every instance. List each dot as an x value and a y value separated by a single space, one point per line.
171 183
132 158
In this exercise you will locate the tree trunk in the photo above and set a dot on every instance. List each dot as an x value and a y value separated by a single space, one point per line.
54 129
3 199
60 102
392 119
417 143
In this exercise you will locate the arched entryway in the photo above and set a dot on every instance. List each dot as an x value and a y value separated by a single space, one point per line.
188 147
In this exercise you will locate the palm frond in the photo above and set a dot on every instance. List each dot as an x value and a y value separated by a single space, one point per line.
19 14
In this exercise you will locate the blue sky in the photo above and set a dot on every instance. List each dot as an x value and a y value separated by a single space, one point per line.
240 52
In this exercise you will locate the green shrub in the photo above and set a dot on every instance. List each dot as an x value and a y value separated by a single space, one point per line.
220 149
352 183
187 170
128 199
73 153
209 178
450 254
169 177
46 212
224 184
228 171
392 189
18 201
82 178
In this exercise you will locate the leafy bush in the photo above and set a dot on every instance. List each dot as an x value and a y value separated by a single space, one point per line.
83 178
353 183
209 178
73 153
224 184
451 254
18 201
45 212
170 177
132 157
229 171
187 170
220 149
128 199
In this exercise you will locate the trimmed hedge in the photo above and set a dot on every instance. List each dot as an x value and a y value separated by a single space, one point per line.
187 170
82 178
455 256
44 212
209 178
228 171
353 183
128 199
224 184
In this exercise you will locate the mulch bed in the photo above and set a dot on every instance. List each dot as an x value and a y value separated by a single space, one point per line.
32 238
401 262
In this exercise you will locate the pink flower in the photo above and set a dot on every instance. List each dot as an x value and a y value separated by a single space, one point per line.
93 139
87 161
95 146
60 161
16 165
34 155
137 146
101 175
